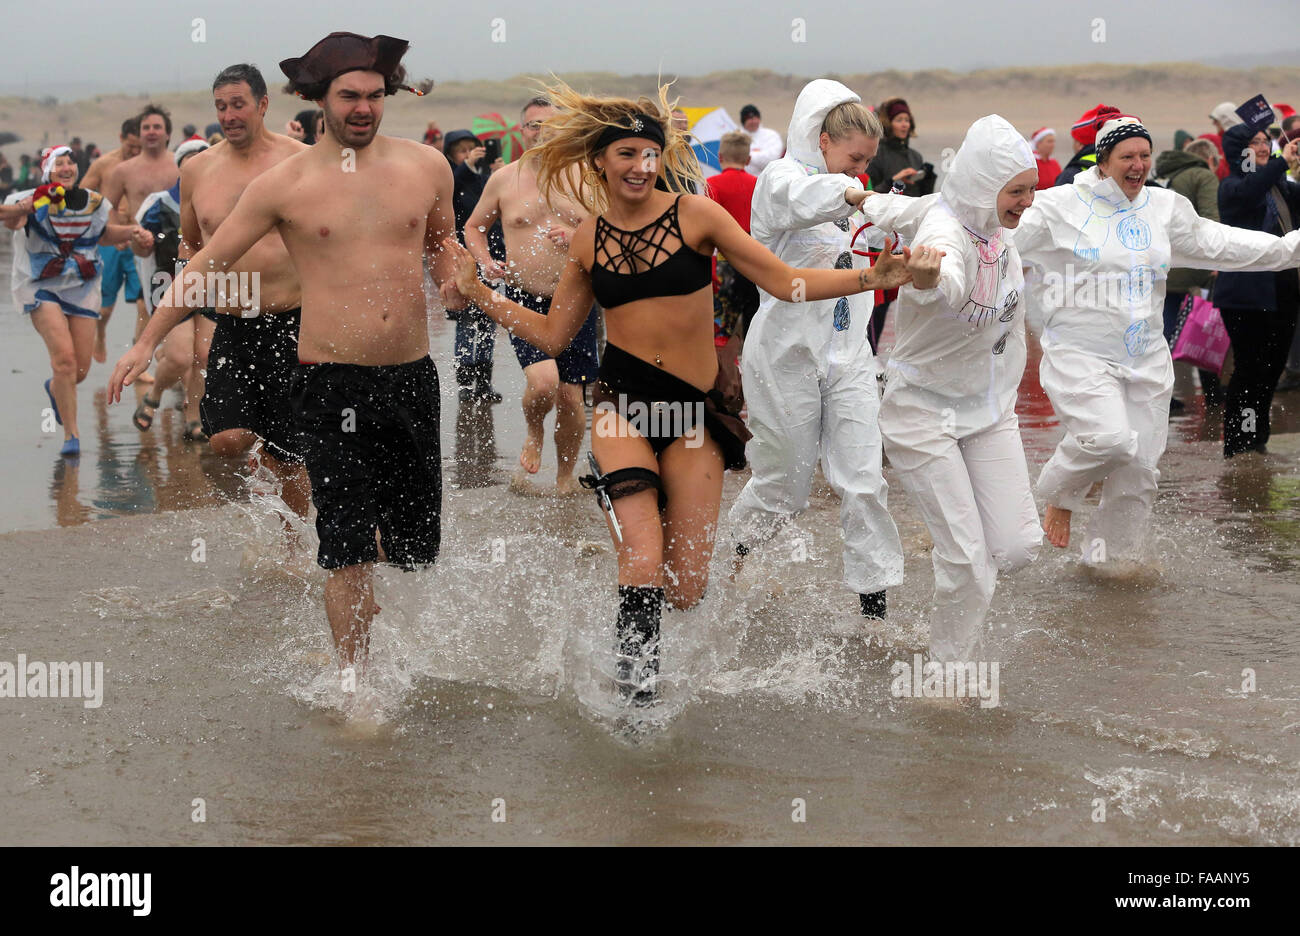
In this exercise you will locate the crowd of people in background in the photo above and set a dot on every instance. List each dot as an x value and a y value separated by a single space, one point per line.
1266 347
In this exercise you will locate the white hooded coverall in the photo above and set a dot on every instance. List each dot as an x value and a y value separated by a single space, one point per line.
949 411
809 375
1100 264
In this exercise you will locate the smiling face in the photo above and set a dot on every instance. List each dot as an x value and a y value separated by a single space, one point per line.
354 107
1015 197
153 133
631 167
1129 164
849 154
239 113
1262 147
65 170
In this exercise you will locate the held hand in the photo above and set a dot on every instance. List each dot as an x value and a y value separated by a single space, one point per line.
452 300
466 269
890 271
924 266
496 270
26 205
129 366
294 129
560 235
142 238
476 154
498 163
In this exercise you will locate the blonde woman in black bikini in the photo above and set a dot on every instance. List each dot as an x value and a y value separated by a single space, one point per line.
645 256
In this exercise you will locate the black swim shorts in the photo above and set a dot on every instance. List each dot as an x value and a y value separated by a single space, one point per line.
370 435
247 382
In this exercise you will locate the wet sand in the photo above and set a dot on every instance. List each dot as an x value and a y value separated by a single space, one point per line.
219 685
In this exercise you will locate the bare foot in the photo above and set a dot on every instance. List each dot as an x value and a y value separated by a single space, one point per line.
567 486
100 353
530 459
1056 524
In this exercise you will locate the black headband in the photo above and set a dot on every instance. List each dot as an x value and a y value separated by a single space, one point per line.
641 125
1122 133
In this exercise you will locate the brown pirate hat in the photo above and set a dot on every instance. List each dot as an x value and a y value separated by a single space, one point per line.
341 52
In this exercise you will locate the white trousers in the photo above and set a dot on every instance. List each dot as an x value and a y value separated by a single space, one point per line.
797 416
1116 422
975 497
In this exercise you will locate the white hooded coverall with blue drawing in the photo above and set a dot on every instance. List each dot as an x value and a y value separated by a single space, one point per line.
1100 263
808 370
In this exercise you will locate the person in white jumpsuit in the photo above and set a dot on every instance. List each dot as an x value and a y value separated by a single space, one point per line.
1100 250
808 371
949 411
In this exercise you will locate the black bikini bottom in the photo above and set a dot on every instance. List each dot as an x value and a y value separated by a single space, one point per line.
663 407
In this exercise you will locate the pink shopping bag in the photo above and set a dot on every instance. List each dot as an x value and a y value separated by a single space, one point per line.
1203 341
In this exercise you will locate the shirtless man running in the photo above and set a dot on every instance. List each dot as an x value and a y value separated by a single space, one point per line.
357 212
537 247
133 180
119 270
251 353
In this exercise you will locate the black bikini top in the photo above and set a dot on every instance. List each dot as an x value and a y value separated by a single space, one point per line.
632 265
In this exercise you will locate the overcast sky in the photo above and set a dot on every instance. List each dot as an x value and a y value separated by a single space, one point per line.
146 45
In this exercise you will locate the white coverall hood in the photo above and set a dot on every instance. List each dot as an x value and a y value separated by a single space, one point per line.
815 101
992 154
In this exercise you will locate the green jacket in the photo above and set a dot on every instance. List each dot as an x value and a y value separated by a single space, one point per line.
1191 178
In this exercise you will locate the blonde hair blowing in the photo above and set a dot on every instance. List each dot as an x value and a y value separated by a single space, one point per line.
571 135
852 117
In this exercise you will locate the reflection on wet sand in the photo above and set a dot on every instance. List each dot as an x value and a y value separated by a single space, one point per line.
476 448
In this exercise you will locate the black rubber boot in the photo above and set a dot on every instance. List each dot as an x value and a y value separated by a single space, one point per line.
640 608
873 605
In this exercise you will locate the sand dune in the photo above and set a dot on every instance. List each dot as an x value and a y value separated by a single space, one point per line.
1166 96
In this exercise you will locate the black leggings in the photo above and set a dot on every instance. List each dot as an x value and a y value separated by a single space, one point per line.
1261 341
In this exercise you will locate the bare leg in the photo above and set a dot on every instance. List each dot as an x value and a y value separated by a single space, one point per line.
570 426
1056 524
693 482
542 382
175 359
54 328
295 488
101 333
232 442
350 607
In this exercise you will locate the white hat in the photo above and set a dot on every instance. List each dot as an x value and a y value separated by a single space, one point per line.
1226 115
188 147
47 163
1040 135
1118 128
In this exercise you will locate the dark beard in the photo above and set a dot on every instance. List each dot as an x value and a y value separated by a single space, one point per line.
338 131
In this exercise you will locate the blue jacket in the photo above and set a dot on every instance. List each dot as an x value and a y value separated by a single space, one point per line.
1244 202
